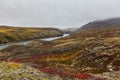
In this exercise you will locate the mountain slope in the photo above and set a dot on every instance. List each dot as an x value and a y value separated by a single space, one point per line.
103 24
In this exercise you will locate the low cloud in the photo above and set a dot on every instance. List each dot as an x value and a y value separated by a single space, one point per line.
56 13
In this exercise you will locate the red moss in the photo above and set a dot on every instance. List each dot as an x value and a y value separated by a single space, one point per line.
63 73
81 75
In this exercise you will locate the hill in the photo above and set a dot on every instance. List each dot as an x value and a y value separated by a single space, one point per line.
101 25
14 34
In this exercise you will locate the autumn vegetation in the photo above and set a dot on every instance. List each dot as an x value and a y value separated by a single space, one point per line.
77 56
85 55
13 34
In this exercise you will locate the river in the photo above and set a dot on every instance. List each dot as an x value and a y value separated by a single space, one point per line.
25 42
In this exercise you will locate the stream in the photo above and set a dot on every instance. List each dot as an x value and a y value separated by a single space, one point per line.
25 42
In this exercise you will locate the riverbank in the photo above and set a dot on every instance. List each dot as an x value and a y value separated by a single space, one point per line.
15 34
25 42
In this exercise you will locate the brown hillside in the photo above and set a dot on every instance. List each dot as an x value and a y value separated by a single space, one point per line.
14 34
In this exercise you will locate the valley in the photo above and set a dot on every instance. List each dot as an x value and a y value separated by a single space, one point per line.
26 42
86 54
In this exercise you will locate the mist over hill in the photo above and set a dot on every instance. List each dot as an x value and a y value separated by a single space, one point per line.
68 30
101 24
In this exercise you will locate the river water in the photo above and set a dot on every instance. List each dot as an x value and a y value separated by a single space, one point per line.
25 42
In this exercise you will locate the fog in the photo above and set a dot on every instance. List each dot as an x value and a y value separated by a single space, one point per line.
56 13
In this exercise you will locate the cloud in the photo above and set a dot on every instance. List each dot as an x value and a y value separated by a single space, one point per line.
58 13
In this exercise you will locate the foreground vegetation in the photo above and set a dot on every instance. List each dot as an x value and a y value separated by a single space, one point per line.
15 71
14 34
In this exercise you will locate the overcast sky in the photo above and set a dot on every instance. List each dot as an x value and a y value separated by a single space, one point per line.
56 13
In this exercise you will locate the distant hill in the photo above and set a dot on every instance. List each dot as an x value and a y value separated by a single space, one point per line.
69 30
103 24
13 34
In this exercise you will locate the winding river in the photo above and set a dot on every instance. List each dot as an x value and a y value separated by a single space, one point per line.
25 42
